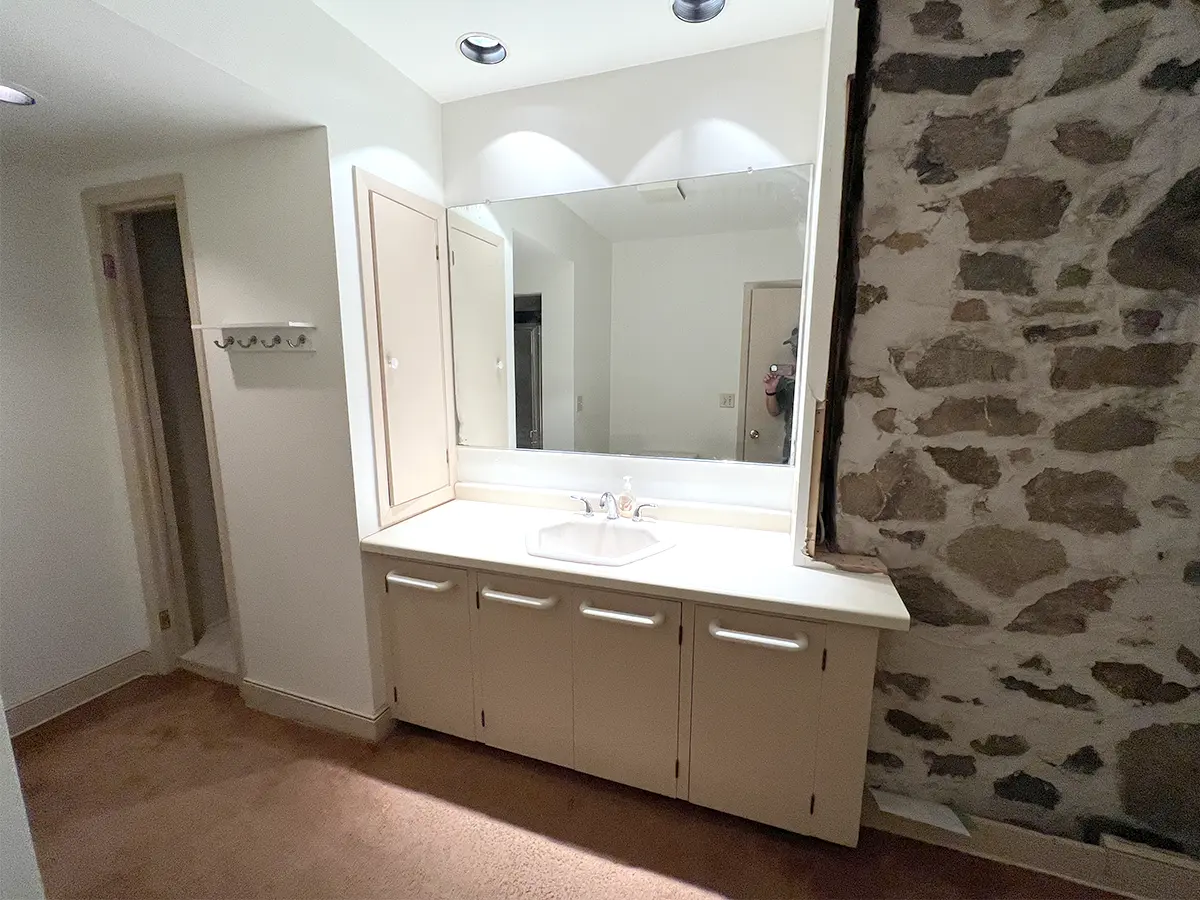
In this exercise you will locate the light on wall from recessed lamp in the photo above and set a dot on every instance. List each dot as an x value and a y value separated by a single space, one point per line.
15 95
696 11
485 49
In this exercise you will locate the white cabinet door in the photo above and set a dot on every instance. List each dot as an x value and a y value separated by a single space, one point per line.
626 660
756 686
428 611
524 641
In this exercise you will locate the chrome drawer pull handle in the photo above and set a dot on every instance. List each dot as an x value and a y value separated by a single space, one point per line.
420 584
791 645
518 599
624 618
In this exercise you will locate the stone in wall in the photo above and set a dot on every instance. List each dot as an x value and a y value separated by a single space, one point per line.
1091 142
1076 276
1188 659
971 465
1038 663
931 602
940 19
951 765
896 488
1188 467
910 73
1015 208
1144 366
995 416
1052 334
1191 573
1004 559
913 538
1173 75
954 145
910 726
1107 61
1134 681
1158 767
1084 761
1001 745
1172 506
860 385
1105 428
1163 252
869 295
885 420
1088 502
1006 273
1022 787
1137 323
1066 611
915 687
1063 695
973 310
959 359
887 760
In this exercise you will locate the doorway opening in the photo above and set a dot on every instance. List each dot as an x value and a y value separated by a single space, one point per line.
160 386
527 369
770 313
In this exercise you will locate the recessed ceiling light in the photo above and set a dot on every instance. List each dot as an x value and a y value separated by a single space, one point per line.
485 49
696 11
16 95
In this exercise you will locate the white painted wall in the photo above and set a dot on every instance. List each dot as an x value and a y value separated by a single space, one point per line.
676 335
752 106
19 875
70 591
260 215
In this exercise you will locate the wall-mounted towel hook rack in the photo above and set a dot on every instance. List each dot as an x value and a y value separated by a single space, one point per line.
264 337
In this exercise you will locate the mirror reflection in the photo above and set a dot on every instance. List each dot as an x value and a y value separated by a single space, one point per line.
649 320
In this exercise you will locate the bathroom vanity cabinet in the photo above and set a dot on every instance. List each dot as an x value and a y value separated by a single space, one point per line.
760 714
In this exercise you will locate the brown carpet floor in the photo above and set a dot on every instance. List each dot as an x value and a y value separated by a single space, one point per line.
170 787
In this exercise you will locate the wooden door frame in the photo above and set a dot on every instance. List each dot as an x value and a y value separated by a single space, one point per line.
744 363
107 214
365 183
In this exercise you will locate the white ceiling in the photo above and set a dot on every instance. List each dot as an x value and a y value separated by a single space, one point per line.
552 40
742 201
111 93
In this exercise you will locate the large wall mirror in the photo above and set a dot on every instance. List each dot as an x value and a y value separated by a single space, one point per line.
649 320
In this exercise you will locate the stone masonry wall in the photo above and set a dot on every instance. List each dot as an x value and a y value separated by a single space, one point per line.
1022 439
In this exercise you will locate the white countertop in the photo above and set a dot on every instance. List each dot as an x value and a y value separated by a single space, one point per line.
737 567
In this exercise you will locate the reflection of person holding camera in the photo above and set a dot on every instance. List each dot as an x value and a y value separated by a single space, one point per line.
779 386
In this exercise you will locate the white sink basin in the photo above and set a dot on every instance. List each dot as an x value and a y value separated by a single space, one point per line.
599 542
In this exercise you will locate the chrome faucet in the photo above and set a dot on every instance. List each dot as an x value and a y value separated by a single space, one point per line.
608 503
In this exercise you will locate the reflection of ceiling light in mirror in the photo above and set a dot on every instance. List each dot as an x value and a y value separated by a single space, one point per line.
696 11
485 49
15 95
662 192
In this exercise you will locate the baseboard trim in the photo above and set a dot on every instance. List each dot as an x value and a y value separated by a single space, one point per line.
279 703
1130 874
52 704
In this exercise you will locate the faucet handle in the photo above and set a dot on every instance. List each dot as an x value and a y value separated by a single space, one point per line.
637 513
587 504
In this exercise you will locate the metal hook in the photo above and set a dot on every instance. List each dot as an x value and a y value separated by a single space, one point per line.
225 344
300 342
275 342
250 343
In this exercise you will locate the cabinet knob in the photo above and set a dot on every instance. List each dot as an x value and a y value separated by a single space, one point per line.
754 434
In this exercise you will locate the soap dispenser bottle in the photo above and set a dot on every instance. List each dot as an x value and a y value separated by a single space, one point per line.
626 502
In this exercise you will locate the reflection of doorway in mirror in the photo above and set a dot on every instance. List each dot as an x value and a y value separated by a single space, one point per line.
769 317
527 369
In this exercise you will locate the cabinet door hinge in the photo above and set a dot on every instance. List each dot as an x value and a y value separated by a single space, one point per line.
477 599
680 635
824 658
437 252
395 695
482 719
164 620
676 768
812 804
